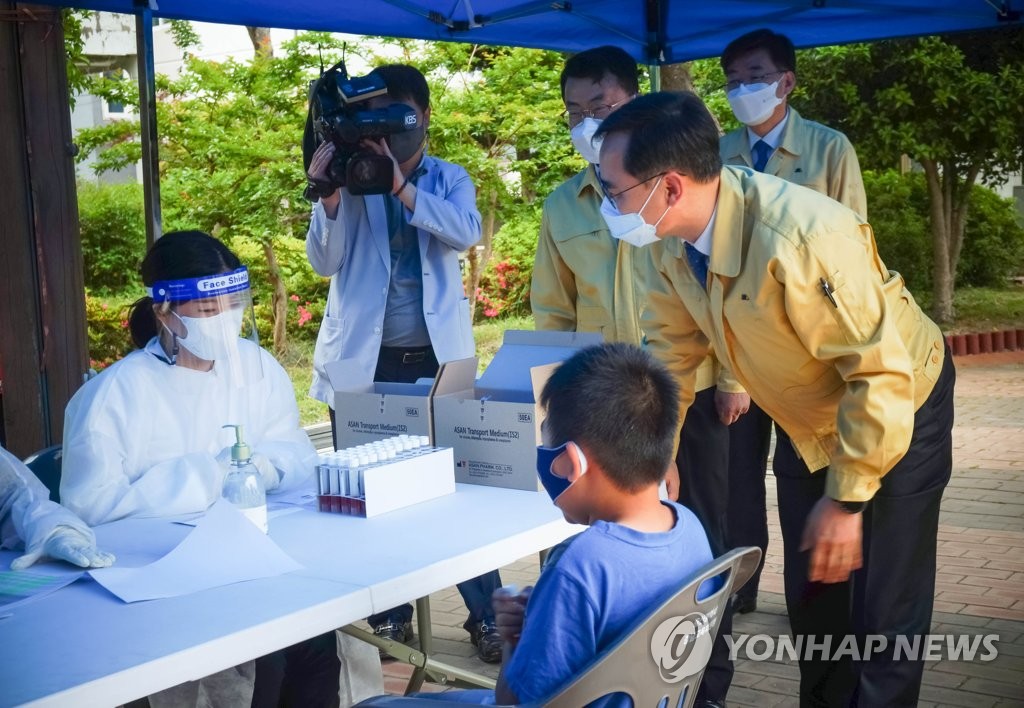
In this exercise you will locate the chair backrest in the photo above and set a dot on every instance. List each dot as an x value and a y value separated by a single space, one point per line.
661 662
46 465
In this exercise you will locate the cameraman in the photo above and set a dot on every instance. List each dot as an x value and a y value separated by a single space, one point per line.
396 302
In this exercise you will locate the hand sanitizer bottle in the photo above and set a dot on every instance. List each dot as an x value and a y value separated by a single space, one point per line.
243 486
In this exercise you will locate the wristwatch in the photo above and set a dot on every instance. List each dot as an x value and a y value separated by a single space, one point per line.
851 507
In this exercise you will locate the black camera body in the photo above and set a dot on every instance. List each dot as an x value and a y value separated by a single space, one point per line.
335 115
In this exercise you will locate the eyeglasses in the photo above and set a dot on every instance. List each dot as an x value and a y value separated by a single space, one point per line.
760 79
613 196
573 118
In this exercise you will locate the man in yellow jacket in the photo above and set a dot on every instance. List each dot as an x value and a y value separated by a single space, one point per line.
787 287
584 280
760 72
582 277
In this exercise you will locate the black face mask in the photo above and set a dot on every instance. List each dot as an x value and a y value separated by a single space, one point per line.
406 144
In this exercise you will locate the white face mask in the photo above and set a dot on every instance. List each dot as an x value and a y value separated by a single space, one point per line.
582 135
632 228
753 104
213 338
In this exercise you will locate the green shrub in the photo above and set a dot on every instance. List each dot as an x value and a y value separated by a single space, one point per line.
898 213
993 246
113 230
306 291
993 242
505 284
109 336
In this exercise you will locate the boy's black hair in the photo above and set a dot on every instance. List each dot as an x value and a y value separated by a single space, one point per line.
405 83
667 131
621 405
595 63
178 254
778 46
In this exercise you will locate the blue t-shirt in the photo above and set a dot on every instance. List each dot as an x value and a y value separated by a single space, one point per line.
595 589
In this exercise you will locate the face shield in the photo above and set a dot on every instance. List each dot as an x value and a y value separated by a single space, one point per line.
211 318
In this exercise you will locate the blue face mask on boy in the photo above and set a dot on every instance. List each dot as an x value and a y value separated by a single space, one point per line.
553 484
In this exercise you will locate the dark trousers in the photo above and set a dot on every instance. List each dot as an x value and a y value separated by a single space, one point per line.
749 440
406 365
304 674
703 461
892 593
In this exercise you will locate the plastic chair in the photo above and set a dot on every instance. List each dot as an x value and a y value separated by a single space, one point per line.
658 664
46 465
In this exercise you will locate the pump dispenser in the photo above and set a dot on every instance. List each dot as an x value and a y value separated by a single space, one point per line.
243 486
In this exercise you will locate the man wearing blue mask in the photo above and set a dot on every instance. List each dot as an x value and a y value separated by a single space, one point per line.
760 71
799 306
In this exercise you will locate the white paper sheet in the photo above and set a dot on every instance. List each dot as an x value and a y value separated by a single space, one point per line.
224 548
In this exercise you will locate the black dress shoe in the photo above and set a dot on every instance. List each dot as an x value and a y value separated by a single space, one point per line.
484 636
396 631
742 605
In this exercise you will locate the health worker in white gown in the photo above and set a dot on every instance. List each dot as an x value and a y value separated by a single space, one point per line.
146 436
47 530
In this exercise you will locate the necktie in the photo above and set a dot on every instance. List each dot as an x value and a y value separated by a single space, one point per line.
698 263
761 152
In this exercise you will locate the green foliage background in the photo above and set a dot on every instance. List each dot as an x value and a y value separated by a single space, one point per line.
231 161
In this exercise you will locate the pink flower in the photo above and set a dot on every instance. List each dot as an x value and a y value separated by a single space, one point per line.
491 312
124 324
304 315
294 298
103 306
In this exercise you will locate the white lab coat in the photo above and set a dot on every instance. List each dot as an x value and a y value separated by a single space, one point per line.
354 251
142 438
26 512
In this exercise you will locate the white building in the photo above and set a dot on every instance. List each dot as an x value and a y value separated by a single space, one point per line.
110 47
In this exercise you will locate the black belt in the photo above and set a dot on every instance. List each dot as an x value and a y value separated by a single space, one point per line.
413 355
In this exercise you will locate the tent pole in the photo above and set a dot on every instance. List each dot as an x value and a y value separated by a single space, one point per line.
147 120
655 71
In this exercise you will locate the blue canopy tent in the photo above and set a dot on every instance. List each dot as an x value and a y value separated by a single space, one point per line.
653 31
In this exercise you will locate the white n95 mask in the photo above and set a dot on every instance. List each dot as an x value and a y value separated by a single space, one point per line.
753 104
213 338
632 228
582 135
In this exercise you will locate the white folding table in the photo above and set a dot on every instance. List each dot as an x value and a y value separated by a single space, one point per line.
82 646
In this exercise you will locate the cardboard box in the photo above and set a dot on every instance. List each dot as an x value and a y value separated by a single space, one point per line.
493 425
365 411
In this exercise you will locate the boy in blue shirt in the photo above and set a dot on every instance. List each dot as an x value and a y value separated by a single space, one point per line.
612 416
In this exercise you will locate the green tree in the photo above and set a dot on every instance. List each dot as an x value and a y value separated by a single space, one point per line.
230 150
954 105
496 113
74 47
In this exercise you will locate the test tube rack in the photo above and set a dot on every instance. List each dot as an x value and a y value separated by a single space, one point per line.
383 475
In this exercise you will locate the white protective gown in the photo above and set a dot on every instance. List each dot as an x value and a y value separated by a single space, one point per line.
142 438
26 512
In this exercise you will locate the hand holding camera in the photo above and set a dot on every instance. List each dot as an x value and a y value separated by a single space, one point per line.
361 160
